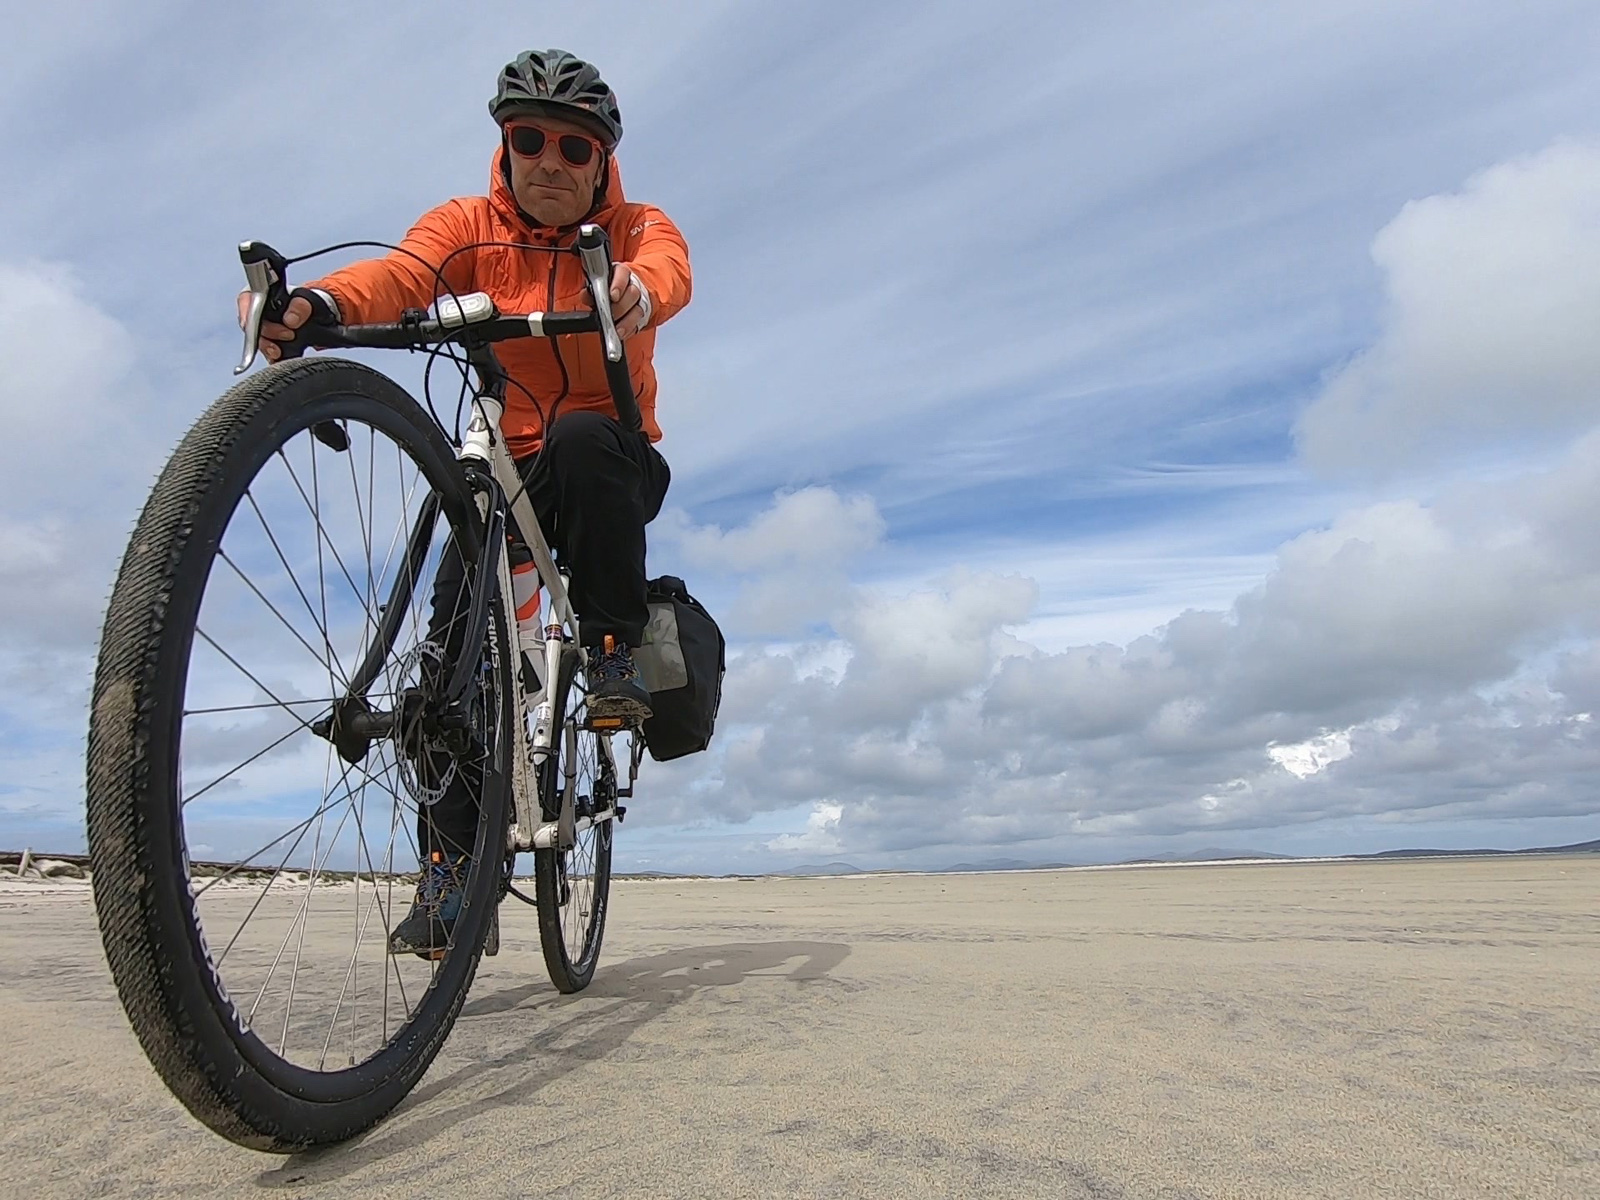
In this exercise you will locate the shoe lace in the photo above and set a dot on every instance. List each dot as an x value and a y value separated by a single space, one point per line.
616 667
438 880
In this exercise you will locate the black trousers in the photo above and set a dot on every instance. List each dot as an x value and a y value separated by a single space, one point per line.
594 488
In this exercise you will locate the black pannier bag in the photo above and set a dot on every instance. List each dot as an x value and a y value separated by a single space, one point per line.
682 661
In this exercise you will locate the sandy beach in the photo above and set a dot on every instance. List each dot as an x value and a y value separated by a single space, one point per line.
1301 1030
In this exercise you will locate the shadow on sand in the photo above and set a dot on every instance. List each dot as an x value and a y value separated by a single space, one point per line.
584 1027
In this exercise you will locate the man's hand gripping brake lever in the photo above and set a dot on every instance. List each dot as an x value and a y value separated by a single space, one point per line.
277 322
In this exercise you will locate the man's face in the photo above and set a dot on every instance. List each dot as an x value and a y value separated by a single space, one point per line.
550 187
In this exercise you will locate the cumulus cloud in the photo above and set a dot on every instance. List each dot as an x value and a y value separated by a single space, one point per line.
1310 756
820 836
1413 661
1492 300
807 527
791 561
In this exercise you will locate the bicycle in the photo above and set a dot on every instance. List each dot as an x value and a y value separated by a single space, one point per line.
353 702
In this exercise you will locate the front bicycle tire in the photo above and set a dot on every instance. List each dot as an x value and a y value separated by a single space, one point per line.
151 739
572 886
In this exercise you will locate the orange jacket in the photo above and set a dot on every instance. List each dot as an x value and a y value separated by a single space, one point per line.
522 280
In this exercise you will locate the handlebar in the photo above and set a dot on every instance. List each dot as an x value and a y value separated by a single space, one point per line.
467 323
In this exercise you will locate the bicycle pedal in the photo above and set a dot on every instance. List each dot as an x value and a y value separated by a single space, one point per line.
606 724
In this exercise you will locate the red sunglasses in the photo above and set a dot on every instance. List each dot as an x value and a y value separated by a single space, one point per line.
529 141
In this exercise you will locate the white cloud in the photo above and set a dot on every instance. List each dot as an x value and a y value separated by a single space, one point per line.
910 652
820 836
792 559
72 456
1492 299
806 528
62 360
1313 755
66 404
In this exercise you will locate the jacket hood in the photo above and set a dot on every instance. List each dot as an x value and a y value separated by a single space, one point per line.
504 200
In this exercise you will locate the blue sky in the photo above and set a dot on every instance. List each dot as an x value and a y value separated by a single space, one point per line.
1077 402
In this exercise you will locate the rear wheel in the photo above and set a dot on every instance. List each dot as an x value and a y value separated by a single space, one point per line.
254 832
573 886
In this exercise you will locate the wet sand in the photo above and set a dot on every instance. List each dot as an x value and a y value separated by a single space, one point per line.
1308 1030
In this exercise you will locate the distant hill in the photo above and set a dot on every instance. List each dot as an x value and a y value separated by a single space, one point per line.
1226 854
1172 856
1576 848
1002 864
833 868
1210 854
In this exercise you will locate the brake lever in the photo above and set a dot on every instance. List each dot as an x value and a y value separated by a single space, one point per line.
594 250
266 271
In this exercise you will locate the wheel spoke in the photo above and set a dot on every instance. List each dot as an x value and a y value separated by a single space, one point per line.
300 722
581 776
232 771
333 655
325 702
273 608
311 881
328 802
300 830
311 503
362 923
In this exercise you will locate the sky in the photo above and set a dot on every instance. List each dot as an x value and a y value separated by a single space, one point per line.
1101 430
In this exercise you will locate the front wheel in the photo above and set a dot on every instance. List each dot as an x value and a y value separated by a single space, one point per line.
572 886
270 761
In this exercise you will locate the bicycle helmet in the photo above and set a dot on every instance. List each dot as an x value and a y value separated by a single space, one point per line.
558 84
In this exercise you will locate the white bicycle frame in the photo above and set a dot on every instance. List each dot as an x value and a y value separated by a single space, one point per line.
529 830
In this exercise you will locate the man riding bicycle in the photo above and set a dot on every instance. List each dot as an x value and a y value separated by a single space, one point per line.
594 485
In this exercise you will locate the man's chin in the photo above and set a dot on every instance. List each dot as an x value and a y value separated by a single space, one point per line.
550 214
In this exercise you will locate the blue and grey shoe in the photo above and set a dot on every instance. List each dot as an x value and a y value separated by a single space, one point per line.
429 926
617 696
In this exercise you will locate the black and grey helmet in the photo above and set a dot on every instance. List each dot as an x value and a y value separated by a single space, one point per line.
558 84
